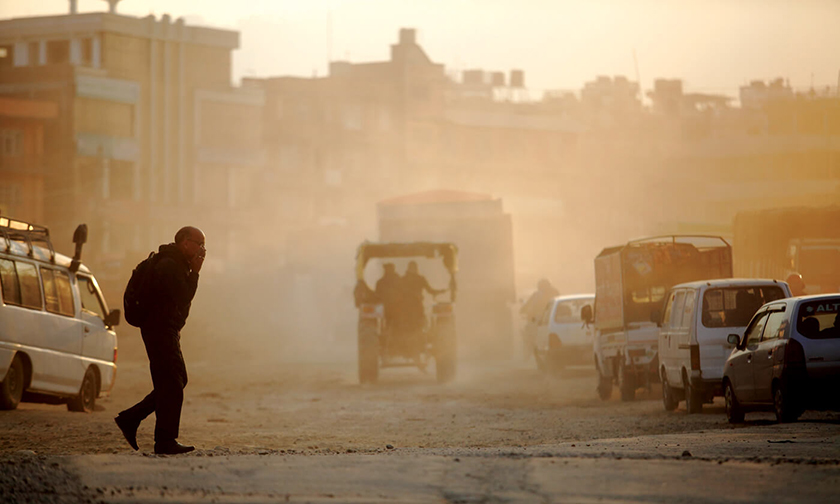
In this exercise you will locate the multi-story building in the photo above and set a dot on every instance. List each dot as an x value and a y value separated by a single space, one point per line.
23 161
150 134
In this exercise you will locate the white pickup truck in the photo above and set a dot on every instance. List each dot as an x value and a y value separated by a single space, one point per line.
630 285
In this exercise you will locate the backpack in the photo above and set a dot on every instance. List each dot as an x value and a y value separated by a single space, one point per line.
135 298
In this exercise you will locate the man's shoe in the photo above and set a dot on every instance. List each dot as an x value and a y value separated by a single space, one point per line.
129 430
171 448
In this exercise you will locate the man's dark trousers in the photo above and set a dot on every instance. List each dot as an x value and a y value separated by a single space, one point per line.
169 377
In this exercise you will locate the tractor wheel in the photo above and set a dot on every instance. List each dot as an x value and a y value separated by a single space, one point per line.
445 351
368 351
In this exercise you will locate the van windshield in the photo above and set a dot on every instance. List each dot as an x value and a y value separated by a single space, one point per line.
735 306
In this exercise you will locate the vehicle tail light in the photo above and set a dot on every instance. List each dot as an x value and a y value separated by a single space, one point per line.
695 357
554 341
442 309
368 309
115 355
794 353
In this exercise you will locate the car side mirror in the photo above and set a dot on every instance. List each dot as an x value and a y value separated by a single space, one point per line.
586 314
656 317
734 340
112 319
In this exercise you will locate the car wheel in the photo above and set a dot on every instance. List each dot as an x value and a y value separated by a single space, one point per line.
669 397
539 361
783 405
734 413
626 382
693 398
368 351
86 400
11 390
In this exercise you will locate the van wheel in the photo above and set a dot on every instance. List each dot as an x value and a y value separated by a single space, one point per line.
86 400
734 413
11 390
693 397
626 383
669 396
605 387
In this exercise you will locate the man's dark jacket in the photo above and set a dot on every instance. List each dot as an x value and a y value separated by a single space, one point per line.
172 290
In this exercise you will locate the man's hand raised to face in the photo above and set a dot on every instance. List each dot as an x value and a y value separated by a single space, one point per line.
196 262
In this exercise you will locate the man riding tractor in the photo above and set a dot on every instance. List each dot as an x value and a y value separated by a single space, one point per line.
393 327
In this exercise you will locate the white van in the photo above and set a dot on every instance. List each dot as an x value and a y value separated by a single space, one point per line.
57 339
698 318
562 338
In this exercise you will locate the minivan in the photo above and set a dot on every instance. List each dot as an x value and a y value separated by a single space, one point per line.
693 333
57 339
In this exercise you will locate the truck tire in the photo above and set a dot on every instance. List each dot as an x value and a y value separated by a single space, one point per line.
626 382
445 351
368 351
605 385
669 395
693 398
11 389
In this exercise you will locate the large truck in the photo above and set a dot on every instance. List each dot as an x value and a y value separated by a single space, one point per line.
631 281
777 242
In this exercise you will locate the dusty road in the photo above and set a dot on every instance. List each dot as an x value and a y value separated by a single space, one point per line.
271 428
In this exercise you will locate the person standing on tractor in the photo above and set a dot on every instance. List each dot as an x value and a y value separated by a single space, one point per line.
388 293
413 284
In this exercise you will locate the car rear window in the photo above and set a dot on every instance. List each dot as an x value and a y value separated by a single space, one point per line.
735 306
819 319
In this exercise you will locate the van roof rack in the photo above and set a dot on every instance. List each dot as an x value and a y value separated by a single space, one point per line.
18 230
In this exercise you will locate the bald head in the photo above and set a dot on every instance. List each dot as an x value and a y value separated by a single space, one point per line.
190 241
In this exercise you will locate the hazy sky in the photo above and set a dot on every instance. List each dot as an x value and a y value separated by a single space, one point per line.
713 45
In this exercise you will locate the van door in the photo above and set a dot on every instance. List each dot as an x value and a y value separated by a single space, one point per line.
673 366
62 333
99 341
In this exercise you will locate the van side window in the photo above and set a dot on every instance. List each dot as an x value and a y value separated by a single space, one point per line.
667 317
9 281
677 309
58 296
30 285
564 314
688 312
89 297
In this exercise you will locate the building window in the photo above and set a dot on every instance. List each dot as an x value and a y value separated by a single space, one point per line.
87 51
121 180
11 199
58 51
34 53
11 143
6 56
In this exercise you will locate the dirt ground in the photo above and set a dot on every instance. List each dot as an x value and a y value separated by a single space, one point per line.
245 404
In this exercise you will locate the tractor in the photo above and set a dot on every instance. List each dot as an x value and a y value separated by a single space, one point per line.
385 337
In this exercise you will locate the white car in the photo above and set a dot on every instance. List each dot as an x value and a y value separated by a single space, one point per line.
693 332
787 360
562 338
57 339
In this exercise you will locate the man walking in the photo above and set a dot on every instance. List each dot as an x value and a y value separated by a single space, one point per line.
172 285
